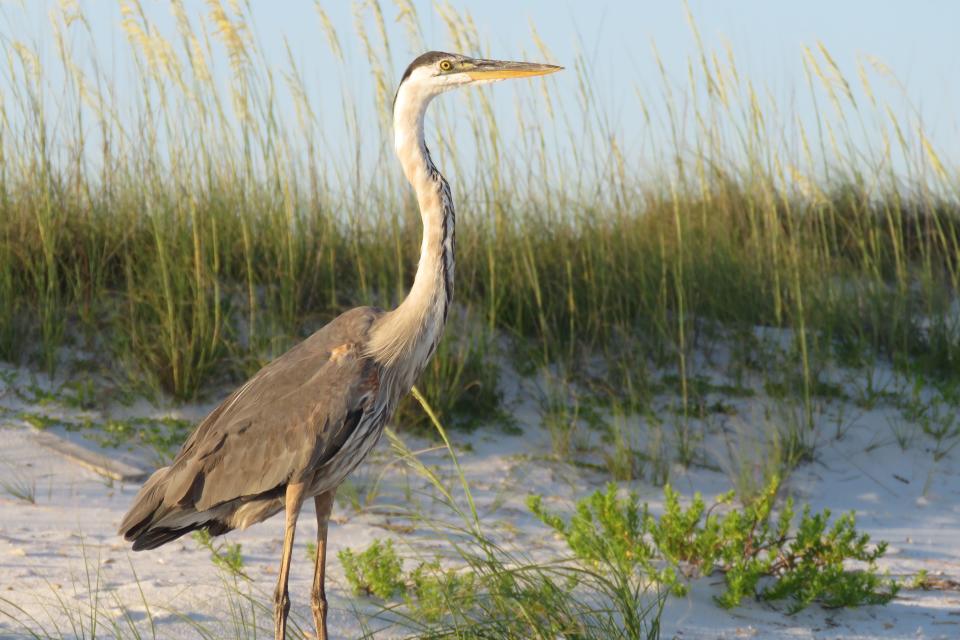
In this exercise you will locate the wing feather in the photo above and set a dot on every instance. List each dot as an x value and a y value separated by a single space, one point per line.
288 419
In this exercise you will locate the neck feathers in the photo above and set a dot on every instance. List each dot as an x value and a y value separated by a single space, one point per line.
409 334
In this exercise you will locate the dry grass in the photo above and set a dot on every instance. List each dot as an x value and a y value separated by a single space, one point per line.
190 233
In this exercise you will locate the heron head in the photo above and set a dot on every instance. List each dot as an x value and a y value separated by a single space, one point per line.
435 72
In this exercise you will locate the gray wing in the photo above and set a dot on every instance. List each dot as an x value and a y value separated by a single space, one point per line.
289 418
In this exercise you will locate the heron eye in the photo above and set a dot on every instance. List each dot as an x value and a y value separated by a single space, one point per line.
445 65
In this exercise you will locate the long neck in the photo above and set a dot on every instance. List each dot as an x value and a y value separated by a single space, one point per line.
410 333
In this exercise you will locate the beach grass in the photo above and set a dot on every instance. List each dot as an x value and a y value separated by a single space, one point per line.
185 231
176 235
181 235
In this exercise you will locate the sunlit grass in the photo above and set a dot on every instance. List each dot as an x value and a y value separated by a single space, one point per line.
187 233
196 245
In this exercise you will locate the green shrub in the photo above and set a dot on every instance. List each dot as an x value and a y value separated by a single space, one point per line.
226 555
607 531
430 591
433 591
754 550
499 596
376 571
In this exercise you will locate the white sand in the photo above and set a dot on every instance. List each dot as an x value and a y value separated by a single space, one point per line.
901 496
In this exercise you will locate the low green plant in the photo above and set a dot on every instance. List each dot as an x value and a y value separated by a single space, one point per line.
498 595
811 567
608 531
922 580
35 393
226 555
38 420
377 570
430 591
434 591
753 549
494 592
80 393
164 435
918 581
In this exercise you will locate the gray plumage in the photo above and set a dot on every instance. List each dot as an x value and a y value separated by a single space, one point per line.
299 426
292 421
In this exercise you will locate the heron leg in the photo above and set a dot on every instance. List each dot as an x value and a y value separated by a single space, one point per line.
293 500
318 601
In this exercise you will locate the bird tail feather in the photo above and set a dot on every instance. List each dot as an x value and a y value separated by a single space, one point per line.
151 522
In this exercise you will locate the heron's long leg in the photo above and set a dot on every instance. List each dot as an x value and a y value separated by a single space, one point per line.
281 601
318 601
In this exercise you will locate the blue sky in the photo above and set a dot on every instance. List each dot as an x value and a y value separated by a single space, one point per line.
916 40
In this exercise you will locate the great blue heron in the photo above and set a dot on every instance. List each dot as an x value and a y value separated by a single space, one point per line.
299 426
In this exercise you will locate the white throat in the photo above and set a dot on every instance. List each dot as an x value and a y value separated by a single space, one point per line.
408 335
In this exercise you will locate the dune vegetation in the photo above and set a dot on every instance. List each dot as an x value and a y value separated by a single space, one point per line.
172 237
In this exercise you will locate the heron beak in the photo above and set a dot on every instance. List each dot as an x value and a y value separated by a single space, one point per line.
502 69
